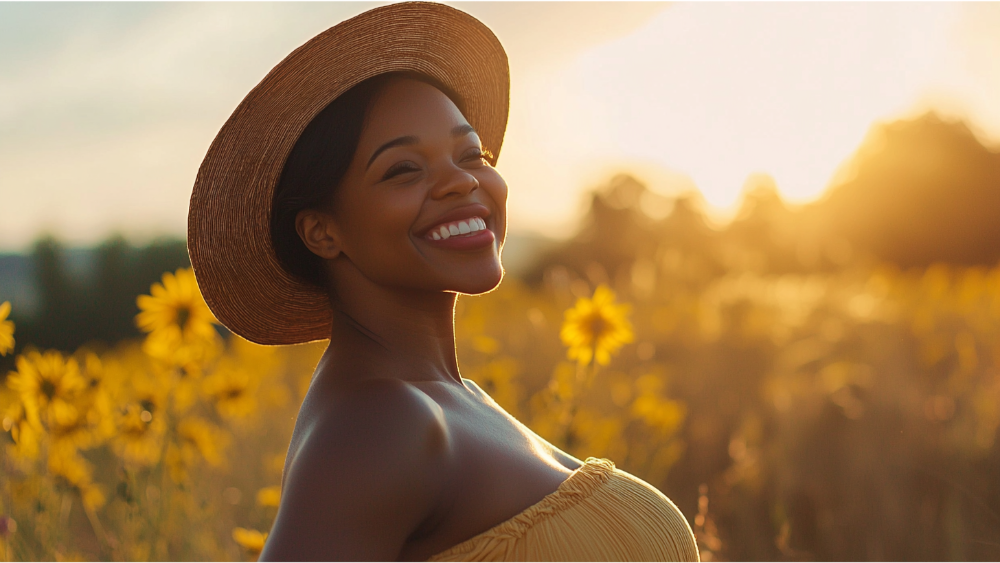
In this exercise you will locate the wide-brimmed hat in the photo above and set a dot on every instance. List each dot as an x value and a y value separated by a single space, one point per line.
229 223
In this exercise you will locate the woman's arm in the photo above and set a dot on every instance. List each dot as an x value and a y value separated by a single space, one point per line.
369 470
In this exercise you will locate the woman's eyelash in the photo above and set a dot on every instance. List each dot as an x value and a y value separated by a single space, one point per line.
483 153
403 167
400 168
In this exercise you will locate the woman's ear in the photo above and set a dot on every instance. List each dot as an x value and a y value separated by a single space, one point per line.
319 233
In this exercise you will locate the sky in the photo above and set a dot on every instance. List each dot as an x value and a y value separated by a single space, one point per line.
106 109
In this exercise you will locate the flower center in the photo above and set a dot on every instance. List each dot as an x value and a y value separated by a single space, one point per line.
183 314
48 388
597 326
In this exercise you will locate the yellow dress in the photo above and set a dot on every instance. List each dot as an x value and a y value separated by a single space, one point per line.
599 513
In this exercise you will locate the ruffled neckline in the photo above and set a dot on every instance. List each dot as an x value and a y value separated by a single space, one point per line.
579 485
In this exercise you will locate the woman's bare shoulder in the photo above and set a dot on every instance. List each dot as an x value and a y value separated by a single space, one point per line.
566 460
368 466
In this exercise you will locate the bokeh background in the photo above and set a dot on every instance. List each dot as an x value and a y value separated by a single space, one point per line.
800 203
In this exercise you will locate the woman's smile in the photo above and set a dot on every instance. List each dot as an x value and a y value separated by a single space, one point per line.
464 228
469 240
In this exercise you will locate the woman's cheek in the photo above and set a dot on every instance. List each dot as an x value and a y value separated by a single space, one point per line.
497 188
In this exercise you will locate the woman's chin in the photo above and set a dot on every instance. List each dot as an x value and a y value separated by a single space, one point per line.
483 281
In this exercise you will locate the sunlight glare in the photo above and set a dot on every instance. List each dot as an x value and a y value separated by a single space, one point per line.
723 91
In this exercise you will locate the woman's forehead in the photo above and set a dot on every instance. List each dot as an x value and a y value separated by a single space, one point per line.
408 107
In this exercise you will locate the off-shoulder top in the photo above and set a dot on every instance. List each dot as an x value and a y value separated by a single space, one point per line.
599 513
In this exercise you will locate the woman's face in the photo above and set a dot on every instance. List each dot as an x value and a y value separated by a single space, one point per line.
419 207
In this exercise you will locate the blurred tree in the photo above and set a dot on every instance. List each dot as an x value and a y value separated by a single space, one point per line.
917 192
75 310
62 312
114 311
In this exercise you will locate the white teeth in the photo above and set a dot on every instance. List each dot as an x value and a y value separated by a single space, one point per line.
471 225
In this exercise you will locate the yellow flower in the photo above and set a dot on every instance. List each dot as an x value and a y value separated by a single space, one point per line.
140 433
172 347
180 324
48 385
250 540
208 439
25 436
269 496
176 304
232 390
93 423
93 496
197 440
652 407
596 328
65 461
6 329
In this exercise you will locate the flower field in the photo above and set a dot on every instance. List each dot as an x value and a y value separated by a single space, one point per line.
777 411
796 395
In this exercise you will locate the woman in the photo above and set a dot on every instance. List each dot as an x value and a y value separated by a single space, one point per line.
352 196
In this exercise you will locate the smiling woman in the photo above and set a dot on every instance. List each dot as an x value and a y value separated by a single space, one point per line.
352 196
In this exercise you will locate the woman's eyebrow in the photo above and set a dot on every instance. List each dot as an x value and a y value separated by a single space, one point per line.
458 131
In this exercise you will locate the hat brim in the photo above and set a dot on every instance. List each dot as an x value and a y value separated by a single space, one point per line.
229 237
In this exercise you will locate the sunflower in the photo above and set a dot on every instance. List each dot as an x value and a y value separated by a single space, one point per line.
250 540
176 308
140 434
65 461
140 391
25 435
269 496
93 423
197 440
203 437
596 328
6 329
233 391
48 385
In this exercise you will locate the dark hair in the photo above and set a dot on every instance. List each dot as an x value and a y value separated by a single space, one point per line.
317 164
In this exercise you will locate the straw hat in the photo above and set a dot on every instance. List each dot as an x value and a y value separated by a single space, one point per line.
229 236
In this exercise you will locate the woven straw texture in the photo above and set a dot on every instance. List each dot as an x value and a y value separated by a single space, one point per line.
598 514
229 220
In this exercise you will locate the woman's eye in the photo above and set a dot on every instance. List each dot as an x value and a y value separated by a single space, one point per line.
474 155
400 168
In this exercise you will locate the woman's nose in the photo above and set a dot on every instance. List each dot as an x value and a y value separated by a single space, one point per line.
454 180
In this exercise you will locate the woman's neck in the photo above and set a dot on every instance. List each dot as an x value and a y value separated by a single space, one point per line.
387 332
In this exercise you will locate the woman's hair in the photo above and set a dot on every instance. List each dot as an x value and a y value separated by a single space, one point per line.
317 164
